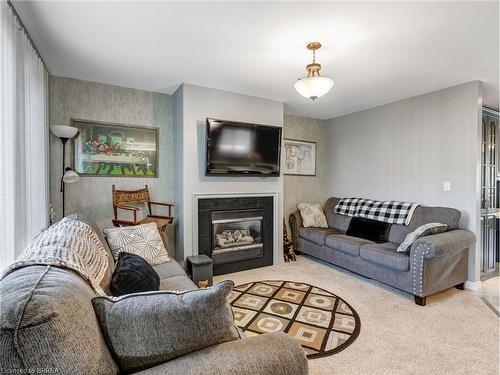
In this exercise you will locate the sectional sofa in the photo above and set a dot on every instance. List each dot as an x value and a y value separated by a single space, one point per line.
434 263
48 326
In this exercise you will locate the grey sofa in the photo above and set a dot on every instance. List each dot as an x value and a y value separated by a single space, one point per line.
48 326
434 262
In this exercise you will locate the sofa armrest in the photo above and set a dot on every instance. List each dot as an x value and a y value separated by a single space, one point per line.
295 222
441 244
270 353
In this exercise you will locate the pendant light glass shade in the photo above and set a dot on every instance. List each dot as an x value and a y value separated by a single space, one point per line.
313 87
70 176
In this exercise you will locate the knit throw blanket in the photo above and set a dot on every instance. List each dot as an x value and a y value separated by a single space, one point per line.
67 244
392 212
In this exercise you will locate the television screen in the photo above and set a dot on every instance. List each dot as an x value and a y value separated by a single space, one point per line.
235 148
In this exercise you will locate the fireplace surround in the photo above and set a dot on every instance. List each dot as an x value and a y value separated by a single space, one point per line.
236 232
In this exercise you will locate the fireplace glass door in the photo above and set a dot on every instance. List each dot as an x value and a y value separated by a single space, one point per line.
236 235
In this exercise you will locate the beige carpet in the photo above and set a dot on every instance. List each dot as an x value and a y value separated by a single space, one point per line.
456 333
490 293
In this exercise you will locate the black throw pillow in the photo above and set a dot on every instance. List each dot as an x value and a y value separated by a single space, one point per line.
373 230
133 274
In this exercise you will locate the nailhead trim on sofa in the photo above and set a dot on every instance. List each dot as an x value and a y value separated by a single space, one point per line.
421 250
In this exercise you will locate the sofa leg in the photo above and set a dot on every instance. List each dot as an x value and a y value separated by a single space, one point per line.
460 286
420 300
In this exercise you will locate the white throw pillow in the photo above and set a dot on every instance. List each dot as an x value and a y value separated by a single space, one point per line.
143 240
312 215
421 231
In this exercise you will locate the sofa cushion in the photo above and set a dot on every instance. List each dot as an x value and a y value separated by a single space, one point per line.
346 244
373 230
385 254
169 269
48 323
317 235
335 220
274 353
133 275
146 329
423 215
177 283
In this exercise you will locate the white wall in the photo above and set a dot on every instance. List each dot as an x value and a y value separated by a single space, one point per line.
406 150
196 105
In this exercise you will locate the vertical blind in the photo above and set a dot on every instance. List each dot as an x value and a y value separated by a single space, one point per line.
24 202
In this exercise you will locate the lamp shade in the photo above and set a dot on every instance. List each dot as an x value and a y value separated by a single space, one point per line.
313 87
63 131
70 176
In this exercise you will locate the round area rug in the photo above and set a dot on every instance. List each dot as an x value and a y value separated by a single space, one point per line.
323 323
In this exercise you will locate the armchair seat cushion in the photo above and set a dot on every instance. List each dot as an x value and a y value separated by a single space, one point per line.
385 254
346 244
317 235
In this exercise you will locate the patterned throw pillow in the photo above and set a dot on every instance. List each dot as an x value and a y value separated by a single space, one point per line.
312 215
143 240
421 231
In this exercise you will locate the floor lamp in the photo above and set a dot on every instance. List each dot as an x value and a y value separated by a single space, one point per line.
69 176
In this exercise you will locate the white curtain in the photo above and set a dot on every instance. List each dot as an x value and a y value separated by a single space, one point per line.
24 203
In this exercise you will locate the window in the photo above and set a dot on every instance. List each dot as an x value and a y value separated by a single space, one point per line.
24 207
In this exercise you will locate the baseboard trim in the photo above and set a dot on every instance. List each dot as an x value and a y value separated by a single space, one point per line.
473 285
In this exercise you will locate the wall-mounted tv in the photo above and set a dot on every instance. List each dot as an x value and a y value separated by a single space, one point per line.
242 149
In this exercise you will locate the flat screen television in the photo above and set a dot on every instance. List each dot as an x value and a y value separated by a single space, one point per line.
242 149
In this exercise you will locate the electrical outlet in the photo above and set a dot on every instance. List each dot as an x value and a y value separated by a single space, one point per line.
446 186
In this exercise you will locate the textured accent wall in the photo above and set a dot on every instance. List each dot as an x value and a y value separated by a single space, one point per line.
75 99
308 189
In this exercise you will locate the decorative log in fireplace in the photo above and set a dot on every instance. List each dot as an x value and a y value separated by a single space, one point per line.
232 238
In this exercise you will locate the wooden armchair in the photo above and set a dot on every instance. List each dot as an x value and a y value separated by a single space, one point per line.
121 199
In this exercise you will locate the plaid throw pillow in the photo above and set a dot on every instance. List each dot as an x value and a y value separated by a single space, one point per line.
421 231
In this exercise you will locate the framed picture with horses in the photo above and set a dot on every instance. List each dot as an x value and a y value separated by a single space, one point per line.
115 150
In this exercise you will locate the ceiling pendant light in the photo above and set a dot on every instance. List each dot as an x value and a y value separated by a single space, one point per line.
313 86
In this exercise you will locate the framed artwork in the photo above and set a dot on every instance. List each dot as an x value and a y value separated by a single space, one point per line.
115 150
300 157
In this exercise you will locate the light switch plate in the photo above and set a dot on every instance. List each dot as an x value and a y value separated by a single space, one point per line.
446 186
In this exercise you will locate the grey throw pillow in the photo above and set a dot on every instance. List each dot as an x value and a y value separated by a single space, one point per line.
421 231
145 329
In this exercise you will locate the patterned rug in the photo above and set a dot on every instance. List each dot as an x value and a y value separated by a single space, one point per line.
323 323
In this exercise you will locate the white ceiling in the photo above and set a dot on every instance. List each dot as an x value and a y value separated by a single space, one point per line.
376 52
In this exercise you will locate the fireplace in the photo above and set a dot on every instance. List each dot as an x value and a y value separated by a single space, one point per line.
237 233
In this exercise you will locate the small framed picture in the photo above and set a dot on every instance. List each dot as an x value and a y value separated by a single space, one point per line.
300 158
115 150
